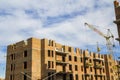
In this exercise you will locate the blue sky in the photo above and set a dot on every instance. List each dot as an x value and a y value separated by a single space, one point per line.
60 20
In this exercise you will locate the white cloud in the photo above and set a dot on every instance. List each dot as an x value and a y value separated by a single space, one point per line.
12 25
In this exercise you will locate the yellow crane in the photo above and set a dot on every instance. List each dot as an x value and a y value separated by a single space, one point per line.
109 38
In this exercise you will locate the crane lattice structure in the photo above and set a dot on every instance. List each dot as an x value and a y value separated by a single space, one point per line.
109 38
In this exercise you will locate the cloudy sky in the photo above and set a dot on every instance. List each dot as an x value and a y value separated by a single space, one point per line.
60 20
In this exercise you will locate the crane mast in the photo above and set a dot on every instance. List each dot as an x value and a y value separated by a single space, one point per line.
108 37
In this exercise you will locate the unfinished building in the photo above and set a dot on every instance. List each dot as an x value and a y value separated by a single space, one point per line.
43 59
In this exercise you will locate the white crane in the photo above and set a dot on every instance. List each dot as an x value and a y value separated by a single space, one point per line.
108 38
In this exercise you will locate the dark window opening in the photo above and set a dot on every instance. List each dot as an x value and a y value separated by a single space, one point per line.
25 77
14 56
81 68
53 76
49 78
25 53
75 58
49 42
11 56
64 69
101 56
103 70
63 59
70 67
70 58
91 77
10 77
69 49
102 63
71 77
83 78
94 55
111 70
64 77
25 65
48 64
76 67
52 54
95 71
14 66
52 43
52 64
11 67
76 76
90 61
91 69
81 59
49 53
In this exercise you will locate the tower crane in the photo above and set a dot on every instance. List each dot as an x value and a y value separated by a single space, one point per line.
108 38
